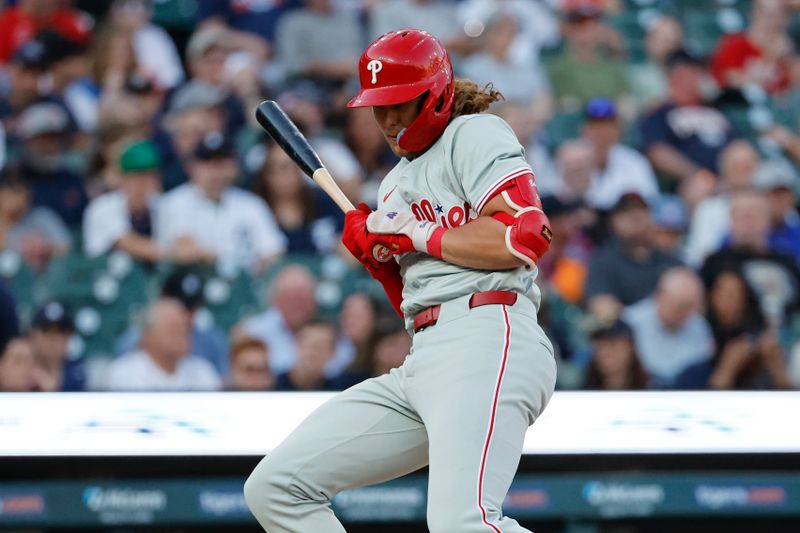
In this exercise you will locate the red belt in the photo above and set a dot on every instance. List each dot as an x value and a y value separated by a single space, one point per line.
428 317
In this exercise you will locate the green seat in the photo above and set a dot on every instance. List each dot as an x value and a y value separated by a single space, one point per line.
21 280
175 14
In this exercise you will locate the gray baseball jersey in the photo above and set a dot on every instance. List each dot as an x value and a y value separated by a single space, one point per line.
450 184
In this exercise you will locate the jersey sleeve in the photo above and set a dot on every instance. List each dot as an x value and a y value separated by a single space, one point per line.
486 154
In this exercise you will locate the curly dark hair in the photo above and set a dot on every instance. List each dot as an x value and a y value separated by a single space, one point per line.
471 98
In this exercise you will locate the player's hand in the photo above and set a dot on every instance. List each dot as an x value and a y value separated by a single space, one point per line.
400 232
359 241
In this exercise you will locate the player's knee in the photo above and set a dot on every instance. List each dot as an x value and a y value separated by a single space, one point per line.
264 489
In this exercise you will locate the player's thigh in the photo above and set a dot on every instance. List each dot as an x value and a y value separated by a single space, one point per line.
366 434
488 376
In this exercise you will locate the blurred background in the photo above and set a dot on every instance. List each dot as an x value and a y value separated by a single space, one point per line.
153 239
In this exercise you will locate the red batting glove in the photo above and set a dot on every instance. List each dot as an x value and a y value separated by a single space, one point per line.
360 243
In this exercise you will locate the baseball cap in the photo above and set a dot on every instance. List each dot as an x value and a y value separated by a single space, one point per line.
41 119
609 329
629 200
214 145
186 286
553 206
682 56
31 55
53 315
576 10
197 94
58 47
669 212
139 156
774 174
201 41
600 108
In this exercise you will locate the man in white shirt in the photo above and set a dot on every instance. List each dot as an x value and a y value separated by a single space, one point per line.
621 169
163 362
232 225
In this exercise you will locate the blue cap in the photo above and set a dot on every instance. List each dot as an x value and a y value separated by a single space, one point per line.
669 212
600 108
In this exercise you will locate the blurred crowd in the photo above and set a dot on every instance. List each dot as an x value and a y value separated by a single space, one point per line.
663 135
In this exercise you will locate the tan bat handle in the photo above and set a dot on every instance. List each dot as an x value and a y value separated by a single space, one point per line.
324 179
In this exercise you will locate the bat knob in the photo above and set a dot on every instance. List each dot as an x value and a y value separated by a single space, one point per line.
381 253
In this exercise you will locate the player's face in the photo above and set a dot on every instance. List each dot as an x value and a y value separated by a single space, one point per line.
392 119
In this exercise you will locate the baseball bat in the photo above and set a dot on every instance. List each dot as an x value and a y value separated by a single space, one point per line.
281 128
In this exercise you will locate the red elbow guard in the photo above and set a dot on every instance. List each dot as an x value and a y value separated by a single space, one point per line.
528 238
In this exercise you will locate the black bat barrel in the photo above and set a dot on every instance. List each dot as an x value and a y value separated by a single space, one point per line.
281 128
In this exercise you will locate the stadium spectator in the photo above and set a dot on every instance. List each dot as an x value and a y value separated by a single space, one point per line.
123 219
773 275
526 84
777 180
620 169
195 110
576 164
49 334
614 363
759 56
250 366
9 322
647 79
670 222
684 135
434 16
21 22
36 234
669 330
586 68
17 366
320 43
156 56
392 347
711 217
305 214
293 304
316 345
207 342
565 266
26 68
358 322
229 224
627 268
69 77
748 355
164 361
46 142
252 21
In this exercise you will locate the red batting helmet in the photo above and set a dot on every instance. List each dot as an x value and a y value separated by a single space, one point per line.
400 66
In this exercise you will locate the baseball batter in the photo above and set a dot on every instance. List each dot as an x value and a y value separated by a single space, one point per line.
463 221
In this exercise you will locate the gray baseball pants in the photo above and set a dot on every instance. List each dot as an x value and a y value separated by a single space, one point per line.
460 403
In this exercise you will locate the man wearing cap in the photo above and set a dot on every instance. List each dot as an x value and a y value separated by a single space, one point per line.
123 219
37 235
670 221
229 224
46 131
24 70
49 334
620 169
627 267
778 181
195 109
582 71
684 135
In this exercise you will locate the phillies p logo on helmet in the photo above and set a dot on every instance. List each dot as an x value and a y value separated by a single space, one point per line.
375 66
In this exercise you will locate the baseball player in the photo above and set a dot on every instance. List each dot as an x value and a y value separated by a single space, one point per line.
462 219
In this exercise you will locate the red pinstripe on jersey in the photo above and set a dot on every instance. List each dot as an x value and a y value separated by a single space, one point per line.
495 399
499 183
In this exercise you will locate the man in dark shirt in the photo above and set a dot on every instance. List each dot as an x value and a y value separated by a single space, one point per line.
684 135
626 269
51 329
